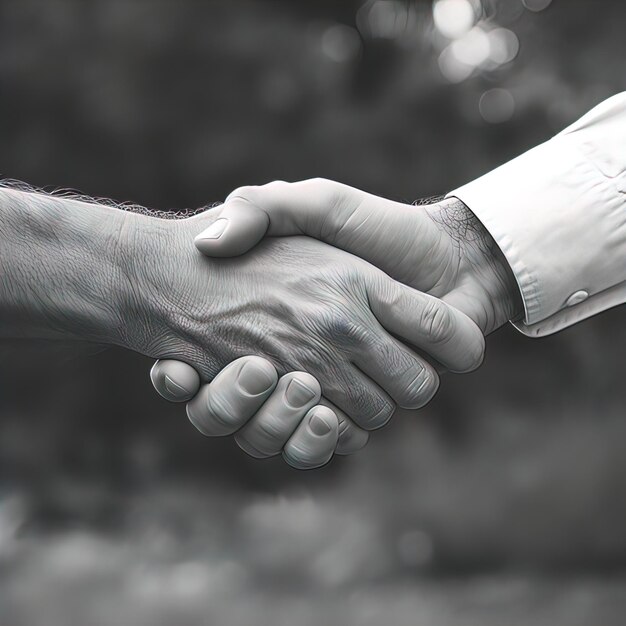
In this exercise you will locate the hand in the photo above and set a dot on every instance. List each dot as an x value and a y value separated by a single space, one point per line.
305 306
247 396
441 249
121 278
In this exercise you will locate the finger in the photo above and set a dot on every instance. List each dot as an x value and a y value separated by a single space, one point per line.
174 380
352 438
233 397
314 440
238 227
268 431
315 207
408 378
427 323
365 404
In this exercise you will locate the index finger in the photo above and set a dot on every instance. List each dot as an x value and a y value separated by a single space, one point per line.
428 323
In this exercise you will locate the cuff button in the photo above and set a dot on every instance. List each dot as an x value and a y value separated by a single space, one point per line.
577 298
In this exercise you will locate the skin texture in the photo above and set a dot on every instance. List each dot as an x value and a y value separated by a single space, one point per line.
307 436
331 315
440 248
74 270
348 308
238 393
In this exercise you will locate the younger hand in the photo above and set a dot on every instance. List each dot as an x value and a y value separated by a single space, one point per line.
440 248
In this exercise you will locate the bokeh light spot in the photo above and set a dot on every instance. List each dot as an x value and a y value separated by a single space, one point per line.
453 18
504 45
473 48
387 19
536 5
452 69
496 105
341 43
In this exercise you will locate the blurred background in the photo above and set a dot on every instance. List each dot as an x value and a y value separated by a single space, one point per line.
503 502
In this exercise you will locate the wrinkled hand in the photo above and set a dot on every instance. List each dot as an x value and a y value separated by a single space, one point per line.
309 307
247 396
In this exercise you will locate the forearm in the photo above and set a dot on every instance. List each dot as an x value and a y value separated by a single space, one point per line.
63 272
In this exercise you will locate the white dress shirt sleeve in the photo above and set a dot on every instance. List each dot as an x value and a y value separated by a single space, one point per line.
558 212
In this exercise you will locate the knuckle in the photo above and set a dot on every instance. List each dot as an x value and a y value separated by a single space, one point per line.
338 325
294 458
246 192
319 182
213 417
367 406
213 414
388 293
271 431
378 416
265 436
437 322
296 461
303 457
222 411
331 321
329 192
325 186
273 186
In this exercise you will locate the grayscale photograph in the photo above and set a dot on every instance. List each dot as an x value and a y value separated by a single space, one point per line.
310 313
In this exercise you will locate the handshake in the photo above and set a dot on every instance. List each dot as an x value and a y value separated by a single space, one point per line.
314 311
303 317
308 312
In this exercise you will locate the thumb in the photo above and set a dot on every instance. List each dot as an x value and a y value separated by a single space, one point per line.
174 380
318 208
239 227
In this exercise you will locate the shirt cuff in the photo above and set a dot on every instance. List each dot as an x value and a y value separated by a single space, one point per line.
558 213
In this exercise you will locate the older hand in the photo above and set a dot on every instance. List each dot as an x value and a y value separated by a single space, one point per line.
247 395
380 373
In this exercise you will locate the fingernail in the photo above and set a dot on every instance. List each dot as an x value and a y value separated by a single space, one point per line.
318 425
173 387
298 394
215 230
254 380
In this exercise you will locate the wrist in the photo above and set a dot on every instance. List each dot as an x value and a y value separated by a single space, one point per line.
163 275
486 287
65 276
145 291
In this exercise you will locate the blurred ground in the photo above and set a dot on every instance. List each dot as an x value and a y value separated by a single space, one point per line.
503 502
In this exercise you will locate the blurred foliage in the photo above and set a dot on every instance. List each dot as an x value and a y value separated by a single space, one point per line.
114 510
